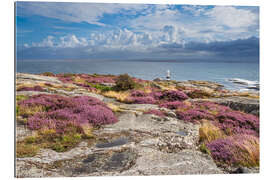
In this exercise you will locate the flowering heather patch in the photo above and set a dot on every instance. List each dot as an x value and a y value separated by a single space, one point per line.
193 115
142 100
174 105
155 112
236 150
212 107
138 93
172 95
156 95
35 88
65 112
239 122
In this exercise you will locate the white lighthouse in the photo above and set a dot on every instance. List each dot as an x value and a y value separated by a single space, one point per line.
168 77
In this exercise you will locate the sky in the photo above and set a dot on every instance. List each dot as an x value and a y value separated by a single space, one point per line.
47 30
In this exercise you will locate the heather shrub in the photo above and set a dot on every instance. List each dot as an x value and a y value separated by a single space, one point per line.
172 95
193 115
124 82
155 112
236 150
138 93
238 122
156 95
174 105
141 100
35 88
62 113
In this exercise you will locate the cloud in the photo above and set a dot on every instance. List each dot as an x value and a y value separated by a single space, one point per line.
141 31
75 12
128 45
232 17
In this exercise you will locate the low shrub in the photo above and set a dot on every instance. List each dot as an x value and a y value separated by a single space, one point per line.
238 122
174 105
193 115
62 113
124 82
172 95
142 100
35 88
138 93
236 150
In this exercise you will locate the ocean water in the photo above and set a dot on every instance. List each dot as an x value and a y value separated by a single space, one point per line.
220 72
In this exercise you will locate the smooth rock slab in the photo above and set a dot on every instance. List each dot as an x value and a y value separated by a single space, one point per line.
153 162
34 77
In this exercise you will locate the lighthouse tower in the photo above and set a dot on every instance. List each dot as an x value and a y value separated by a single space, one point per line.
168 77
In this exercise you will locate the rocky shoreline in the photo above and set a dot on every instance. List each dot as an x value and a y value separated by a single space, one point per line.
139 143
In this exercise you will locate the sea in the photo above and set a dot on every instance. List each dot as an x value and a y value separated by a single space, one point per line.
239 76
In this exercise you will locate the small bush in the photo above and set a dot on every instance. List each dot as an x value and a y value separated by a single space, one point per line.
35 88
172 95
138 93
124 82
241 150
193 115
142 100
47 74
239 122
174 105
62 113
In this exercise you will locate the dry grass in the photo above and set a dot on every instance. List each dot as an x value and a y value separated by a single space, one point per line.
78 80
27 111
114 107
26 149
249 151
120 96
209 132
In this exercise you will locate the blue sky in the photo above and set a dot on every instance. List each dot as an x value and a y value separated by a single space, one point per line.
47 30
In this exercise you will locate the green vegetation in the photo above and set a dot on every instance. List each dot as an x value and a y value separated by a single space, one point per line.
124 82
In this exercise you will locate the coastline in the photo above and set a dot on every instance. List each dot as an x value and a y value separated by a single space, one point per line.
149 129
